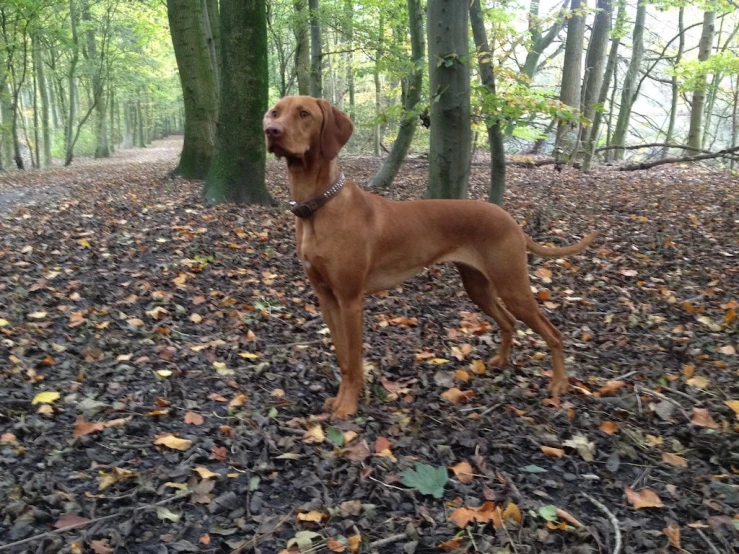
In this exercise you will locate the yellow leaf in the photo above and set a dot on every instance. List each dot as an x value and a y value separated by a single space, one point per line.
4 322
698 382
437 361
47 397
164 373
353 543
170 441
205 473
312 516
249 355
83 242
478 367
733 404
196 318
37 315
314 435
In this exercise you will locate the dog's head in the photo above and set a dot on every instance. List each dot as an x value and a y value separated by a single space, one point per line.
303 127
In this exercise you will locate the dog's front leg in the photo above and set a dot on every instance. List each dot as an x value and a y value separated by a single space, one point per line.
332 316
346 402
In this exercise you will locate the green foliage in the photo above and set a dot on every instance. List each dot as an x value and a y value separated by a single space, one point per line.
691 72
426 479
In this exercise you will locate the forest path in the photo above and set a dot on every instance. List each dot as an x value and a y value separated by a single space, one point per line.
40 186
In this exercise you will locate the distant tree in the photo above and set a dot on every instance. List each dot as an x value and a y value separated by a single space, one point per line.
695 136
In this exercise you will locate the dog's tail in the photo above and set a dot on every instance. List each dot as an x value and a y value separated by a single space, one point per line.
553 252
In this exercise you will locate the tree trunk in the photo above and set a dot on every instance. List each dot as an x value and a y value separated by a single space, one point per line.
238 167
540 42
44 96
6 139
129 128
302 47
199 91
72 115
674 82
212 29
495 133
699 94
349 56
449 88
628 94
571 74
595 62
316 57
735 118
34 93
96 63
609 73
409 118
111 119
378 89
141 129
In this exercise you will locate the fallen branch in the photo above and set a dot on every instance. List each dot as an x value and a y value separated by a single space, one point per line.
709 543
388 540
12 545
541 163
611 518
642 390
256 538
684 159
652 145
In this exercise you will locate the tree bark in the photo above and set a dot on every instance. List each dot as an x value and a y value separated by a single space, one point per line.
609 73
409 118
238 167
695 137
212 29
6 139
95 62
72 115
349 18
674 82
595 62
571 74
316 56
539 41
378 88
141 129
629 86
199 92
449 88
735 117
495 133
302 47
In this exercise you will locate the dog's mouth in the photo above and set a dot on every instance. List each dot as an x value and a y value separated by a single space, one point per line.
274 147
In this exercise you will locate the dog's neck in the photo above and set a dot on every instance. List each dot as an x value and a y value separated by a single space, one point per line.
309 180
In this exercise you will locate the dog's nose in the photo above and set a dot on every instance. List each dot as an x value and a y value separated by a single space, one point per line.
274 131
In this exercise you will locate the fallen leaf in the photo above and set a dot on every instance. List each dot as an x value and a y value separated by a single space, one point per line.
37 315
334 545
313 516
673 533
462 516
101 546
702 418
608 427
238 400
191 418
733 404
674 459
569 518
47 397
314 435
170 441
556 452
645 498
353 543
698 382
8 438
70 520
610 387
456 396
463 471
82 427
205 473
450 545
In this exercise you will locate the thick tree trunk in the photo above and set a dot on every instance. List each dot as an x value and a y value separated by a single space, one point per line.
212 29
302 47
610 72
199 92
628 94
674 82
238 167
595 63
571 74
495 133
699 94
409 118
449 88
316 56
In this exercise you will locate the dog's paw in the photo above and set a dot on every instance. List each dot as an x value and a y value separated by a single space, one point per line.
558 387
344 410
498 361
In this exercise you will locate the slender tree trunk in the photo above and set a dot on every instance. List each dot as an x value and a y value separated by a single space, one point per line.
409 118
699 94
111 121
302 47
495 132
595 63
571 74
211 28
238 167
594 134
141 134
6 138
316 56
449 88
735 118
199 88
129 125
674 82
349 56
628 95
44 108
378 89
72 77
34 92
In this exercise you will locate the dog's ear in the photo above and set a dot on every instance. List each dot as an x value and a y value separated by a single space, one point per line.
336 130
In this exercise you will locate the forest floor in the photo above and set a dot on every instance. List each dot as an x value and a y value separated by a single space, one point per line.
164 366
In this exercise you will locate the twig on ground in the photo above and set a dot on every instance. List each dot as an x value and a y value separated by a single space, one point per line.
256 538
709 543
379 543
132 509
611 518
661 396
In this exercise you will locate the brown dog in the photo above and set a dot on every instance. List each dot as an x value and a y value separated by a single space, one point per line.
351 243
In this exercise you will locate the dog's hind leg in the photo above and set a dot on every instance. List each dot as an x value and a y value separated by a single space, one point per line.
483 294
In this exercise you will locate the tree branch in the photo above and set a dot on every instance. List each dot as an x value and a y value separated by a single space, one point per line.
649 165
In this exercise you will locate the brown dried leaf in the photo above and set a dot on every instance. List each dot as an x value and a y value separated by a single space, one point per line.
673 533
191 418
463 471
82 427
645 498
170 441
556 452
674 459
702 418
456 396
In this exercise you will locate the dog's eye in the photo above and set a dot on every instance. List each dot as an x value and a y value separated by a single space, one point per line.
274 113
303 113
